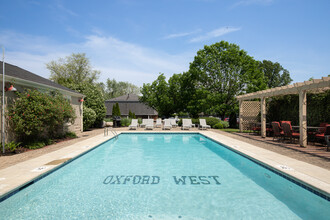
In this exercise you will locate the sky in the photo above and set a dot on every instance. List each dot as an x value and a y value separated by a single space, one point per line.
135 40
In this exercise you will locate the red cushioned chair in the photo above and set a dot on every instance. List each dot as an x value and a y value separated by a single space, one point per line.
324 137
288 133
277 130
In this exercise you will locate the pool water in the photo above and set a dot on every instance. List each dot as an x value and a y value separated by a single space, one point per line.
163 176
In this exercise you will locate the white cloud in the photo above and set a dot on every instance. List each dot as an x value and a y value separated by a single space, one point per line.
114 58
177 35
215 33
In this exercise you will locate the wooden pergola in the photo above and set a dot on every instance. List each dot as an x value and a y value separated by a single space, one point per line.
315 85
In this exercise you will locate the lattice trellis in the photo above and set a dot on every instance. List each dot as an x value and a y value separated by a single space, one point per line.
250 113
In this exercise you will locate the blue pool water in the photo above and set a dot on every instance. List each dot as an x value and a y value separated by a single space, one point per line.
163 176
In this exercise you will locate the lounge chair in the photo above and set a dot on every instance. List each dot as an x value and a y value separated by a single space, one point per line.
158 123
150 124
203 125
167 124
186 124
144 123
134 124
173 122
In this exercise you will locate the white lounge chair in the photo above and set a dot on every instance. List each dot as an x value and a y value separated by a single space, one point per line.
158 123
150 124
203 125
186 124
173 122
134 124
144 123
167 124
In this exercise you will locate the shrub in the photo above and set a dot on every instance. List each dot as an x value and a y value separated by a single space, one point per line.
89 117
218 126
34 112
125 122
140 121
11 146
71 134
212 121
225 124
195 121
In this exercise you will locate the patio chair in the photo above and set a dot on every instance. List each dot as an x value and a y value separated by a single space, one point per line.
144 123
277 130
167 124
150 124
186 123
203 125
173 122
288 133
324 137
134 124
158 123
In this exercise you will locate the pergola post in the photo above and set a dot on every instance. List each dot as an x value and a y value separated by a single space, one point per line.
263 116
302 118
240 116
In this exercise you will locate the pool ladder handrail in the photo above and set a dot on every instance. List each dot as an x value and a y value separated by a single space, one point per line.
106 131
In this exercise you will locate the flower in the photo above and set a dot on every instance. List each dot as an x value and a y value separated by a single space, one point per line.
28 95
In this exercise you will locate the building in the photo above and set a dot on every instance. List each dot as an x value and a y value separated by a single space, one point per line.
22 79
130 102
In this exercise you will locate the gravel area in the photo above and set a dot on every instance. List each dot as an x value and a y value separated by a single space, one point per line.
6 161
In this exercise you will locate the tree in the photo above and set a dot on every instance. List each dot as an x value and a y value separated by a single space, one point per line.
114 89
116 110
156 95
94 99
218 73
76 73
275 74
73 69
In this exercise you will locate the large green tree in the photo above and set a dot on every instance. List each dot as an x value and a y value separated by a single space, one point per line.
72 69
114 89
218 73
157 96
275 74
75 72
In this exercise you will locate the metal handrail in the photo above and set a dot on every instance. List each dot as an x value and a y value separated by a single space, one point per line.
106 131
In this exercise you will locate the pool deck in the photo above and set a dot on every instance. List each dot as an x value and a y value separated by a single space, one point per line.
13 177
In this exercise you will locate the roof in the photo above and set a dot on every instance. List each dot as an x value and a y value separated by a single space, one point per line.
125 98
129 102
19 73
315 85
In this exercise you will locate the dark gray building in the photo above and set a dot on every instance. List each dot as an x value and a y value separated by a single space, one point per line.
130 102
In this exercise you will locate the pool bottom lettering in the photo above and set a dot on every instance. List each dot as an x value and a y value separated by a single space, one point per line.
153 180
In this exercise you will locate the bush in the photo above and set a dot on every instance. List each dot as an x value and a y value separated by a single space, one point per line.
89 117
218 126
225 124
34 112
140 121
125 122
71 134
212 121
11 146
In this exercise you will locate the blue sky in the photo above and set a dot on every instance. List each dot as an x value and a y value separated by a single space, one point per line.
135 40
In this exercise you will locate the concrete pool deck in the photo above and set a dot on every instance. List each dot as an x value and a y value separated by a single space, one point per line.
12 177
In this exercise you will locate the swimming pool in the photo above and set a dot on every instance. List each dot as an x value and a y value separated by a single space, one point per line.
164 176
